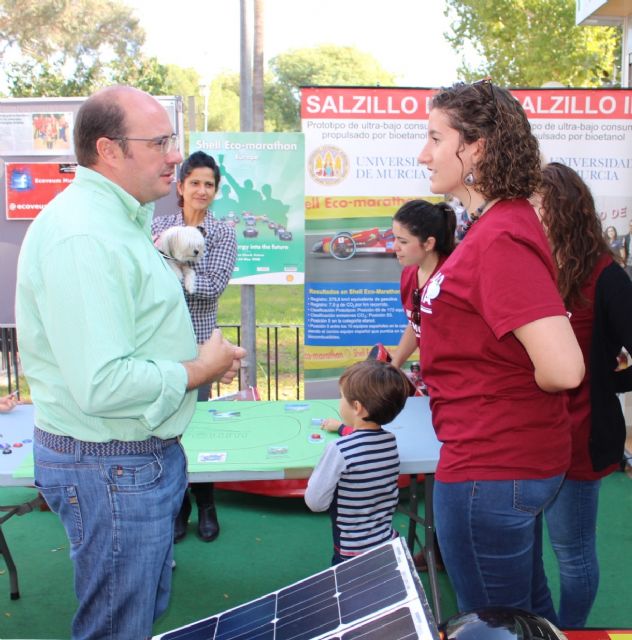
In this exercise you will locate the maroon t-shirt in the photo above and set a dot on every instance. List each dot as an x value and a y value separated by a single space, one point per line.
582 318
495 423
407 284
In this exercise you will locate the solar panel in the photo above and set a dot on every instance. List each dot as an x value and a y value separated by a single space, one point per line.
376 596
397 625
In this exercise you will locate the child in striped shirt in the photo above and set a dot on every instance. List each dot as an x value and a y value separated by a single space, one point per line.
356 478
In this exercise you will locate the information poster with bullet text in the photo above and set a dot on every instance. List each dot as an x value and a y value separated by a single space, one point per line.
361 150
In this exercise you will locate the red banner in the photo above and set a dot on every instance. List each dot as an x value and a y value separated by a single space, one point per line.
361 103
599 634
600 104
30 186
365 103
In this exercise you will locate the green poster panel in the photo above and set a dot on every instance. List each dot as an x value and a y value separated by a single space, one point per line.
261 193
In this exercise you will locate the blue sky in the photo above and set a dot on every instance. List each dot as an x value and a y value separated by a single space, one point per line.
405 36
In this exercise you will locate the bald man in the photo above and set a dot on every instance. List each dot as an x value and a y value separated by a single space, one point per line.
111 359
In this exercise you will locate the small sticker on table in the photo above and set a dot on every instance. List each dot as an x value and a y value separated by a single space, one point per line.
211 457
297 406
317 422
277 451
225 415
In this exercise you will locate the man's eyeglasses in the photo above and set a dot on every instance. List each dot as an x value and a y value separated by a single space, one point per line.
166 144
415 315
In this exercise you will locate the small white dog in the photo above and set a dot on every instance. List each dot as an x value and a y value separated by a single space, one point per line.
182 247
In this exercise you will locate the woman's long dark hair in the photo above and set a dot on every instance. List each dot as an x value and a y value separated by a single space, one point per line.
574 229
424 219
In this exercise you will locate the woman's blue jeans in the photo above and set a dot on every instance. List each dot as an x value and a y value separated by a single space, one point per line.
118 513
572 523
490 535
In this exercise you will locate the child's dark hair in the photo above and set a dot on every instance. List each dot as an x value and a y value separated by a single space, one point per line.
198 160
424 219
379 387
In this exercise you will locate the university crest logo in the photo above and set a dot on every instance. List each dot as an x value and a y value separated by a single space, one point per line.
328 165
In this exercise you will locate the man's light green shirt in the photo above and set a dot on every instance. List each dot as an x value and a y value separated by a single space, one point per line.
101 319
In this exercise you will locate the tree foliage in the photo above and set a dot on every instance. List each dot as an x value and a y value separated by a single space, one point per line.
73 47
223 101
30 79
531 42
324 65
181 81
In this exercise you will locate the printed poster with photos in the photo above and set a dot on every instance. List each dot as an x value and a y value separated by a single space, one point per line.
261 193
361 149
30 186
36 133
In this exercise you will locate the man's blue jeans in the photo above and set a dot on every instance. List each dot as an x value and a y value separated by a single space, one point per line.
118 512
572 523
490 535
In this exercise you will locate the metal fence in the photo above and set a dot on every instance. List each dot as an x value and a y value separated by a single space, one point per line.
279 360
9 360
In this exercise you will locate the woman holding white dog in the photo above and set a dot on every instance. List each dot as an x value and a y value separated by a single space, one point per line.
197 187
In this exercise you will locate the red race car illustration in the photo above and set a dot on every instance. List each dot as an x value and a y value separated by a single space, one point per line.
345 245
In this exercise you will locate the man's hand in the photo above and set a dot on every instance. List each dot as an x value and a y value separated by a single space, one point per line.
8 403
218 361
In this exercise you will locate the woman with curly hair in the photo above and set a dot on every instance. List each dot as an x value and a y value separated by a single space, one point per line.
598 295
498 352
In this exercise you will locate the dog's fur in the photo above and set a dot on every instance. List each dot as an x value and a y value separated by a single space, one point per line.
182 247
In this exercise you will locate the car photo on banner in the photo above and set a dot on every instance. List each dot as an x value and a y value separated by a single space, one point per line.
344 245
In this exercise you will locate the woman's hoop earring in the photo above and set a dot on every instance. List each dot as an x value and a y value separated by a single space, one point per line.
469 180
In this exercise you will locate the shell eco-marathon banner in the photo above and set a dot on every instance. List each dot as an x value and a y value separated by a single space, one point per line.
361 149
261 195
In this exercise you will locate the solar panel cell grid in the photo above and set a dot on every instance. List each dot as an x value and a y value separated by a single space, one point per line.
308 609
252 621
369 583
372 597
203 630
397 625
